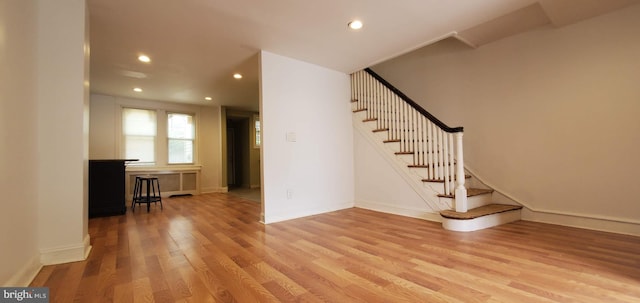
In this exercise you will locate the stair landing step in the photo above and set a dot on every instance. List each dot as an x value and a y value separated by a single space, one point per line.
481 211
471 192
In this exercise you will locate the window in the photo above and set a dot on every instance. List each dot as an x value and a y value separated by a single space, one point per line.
139 134
257 136
181 135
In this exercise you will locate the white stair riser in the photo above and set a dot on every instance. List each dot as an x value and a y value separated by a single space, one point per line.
420 171
360 115
408 159
479 200
384 135
393 146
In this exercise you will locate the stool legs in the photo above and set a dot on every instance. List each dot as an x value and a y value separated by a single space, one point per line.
157 197
152 192
137 193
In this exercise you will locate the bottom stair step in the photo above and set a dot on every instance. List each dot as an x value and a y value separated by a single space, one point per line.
486 216
485 210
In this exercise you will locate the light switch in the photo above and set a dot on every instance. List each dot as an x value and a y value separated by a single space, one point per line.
291 137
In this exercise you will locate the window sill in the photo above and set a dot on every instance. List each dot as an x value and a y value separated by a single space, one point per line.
176 167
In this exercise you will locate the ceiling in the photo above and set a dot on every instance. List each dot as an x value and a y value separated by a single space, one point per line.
197 45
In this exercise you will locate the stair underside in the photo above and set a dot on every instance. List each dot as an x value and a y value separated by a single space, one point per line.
481 211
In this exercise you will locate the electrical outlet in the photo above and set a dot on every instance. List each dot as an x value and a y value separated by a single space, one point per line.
291 137
289 194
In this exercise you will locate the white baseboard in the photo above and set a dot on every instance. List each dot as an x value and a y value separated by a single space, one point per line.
209 190
401 211
581 221
66 254
301 213
25 275
254 186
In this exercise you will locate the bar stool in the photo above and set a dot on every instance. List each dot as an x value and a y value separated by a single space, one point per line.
152 192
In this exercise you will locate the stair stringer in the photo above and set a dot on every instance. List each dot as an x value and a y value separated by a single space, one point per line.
428 194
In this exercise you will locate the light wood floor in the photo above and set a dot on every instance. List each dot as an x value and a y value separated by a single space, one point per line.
210 248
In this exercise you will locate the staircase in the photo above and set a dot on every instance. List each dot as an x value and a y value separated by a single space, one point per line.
427 153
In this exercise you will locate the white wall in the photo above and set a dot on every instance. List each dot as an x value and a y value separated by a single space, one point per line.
550 116
19 146
379 186
104 142
63 150
311 102
43 129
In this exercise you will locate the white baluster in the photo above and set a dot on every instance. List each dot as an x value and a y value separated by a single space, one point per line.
430 150
419 142
387 113
461 191
439 164
452 168
412 132
446 164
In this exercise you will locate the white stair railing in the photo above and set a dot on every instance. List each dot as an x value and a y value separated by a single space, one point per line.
435 147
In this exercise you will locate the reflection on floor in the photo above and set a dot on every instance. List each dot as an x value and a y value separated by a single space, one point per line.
251 194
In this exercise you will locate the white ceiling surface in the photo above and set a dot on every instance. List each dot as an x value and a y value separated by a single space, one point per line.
196 45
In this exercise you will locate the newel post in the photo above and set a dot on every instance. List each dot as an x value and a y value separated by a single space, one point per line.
461 191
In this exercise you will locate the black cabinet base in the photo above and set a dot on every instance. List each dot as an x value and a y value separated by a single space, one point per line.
107 188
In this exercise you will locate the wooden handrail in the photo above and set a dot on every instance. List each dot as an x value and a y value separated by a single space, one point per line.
415 105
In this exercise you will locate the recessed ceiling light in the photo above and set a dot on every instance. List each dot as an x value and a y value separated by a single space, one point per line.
144 58
207 98
137 89
237 76
355 24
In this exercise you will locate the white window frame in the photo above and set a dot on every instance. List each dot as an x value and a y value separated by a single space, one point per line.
256 127
194 140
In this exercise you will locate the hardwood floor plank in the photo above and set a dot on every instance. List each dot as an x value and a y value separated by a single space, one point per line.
211 248
123 293
142 292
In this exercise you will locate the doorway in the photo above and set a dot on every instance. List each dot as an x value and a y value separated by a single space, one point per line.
238 153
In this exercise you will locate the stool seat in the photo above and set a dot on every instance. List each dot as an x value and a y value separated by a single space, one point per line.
148 196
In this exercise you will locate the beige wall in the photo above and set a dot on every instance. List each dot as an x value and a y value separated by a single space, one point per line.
550 116
104 136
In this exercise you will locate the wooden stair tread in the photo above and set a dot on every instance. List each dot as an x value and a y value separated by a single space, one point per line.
442 180
359 110
404 153
471 192
481 211
424 165
380 130
391 141
370 120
